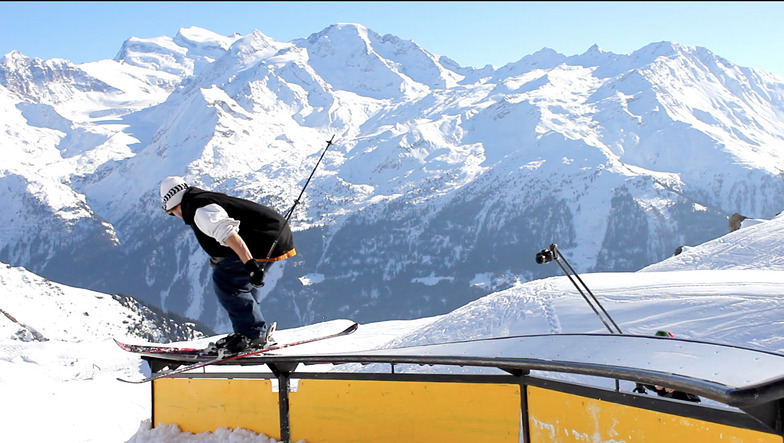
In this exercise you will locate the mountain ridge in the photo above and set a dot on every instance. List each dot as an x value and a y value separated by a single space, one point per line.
35 309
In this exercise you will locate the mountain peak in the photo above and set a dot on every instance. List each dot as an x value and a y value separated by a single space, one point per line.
254 47
594 49
14 55
661 49
340 34
545 58
347 28
355 27
190 50
193 37
15 61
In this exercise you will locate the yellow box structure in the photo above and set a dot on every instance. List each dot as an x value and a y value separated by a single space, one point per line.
555 416
201 405
513 407
344 411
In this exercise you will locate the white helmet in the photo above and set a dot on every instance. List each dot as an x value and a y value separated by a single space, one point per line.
172 190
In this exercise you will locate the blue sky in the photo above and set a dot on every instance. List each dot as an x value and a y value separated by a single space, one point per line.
472 33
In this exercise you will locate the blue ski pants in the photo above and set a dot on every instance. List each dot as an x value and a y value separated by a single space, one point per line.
238 296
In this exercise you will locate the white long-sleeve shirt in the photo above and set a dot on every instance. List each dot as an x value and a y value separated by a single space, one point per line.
215 222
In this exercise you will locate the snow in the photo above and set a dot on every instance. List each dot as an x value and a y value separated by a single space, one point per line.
431 280
71 378
311 279
172 434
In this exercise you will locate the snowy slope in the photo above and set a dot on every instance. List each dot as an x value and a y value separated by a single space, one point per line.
57 359
732 307
756 246
50 311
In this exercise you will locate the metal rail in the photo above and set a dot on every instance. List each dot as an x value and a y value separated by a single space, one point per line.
751 380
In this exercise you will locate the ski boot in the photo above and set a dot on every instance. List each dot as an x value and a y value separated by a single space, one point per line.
231 344
265 340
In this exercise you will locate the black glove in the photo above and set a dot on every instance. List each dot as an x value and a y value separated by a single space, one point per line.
640 389
256 272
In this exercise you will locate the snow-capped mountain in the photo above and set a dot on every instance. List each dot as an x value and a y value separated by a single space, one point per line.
35 309
443 182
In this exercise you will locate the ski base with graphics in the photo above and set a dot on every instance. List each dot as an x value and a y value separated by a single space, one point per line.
158 349
188 355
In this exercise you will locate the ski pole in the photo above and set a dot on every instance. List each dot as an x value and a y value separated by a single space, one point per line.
548 255
577 276
296 202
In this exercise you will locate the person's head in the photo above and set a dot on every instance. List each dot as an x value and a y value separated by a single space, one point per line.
662 333
172 190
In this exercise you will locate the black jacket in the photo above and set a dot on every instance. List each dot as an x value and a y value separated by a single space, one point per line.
259 225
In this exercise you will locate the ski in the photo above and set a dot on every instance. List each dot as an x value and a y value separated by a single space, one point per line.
245 354
160 348
157 349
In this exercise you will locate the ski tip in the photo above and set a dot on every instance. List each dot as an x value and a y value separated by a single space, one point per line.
135 382
122 345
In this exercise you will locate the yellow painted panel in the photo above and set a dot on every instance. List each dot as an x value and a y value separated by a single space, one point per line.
324 411
203 404
558 417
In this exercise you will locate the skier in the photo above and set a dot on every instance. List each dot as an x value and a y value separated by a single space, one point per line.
238 235
662 391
